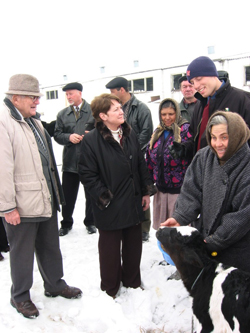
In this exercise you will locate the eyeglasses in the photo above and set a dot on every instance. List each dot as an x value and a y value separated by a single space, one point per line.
34 98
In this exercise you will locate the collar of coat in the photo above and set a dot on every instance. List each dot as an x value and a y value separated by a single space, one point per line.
221 90
106 133
82 107
14 112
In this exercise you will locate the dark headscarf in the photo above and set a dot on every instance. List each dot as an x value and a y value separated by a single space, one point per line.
175 127
238 133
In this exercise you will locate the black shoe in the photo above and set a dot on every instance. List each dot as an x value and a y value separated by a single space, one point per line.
145 236
67 292
64 231
91 229
1 257
7 249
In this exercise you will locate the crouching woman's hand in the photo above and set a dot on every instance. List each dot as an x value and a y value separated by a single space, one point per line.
171 222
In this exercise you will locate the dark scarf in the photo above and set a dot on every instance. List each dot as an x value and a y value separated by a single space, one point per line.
12 109
17 116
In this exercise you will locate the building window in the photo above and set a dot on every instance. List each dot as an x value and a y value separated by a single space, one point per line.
130 85
175 81
141 85
136 63
210 50
53 94
150 84
247 74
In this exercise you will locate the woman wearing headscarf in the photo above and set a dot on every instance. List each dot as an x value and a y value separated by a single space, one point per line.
216 191
114 172
166 171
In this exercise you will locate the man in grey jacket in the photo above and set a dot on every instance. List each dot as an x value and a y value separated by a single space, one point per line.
188 101
71 125
30 195
138 116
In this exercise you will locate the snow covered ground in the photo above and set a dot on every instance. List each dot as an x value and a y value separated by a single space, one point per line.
162 307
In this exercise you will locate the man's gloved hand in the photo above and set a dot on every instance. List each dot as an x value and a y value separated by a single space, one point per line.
177 150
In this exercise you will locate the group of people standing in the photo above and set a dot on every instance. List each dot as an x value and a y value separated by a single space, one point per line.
215 195
111 148
31 193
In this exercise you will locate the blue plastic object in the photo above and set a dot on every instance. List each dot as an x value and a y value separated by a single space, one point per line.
166 256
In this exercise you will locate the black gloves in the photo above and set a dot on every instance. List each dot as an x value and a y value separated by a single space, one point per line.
177 150
104 200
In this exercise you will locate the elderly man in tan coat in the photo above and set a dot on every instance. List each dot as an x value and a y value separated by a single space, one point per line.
30 195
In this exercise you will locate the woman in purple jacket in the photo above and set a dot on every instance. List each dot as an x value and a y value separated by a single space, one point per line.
167 172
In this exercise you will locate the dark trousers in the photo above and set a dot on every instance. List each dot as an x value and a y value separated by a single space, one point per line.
70 185
115 246
3 237
42 239
147 222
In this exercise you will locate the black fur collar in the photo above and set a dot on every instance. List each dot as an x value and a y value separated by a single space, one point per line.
107 135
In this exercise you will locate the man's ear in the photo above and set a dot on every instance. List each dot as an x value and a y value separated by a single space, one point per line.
103 116
15 99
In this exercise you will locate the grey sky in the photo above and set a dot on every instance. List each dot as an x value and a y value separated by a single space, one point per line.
51 38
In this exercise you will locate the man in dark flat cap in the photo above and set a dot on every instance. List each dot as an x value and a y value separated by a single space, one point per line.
188 101
138 116
136 113
71 125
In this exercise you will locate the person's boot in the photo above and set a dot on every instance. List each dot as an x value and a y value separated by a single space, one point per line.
145 236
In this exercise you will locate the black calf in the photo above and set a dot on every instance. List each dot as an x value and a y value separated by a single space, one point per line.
221 294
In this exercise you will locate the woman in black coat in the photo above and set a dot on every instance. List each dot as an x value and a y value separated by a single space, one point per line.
113 170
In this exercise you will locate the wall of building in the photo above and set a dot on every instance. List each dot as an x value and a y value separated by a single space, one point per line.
162 86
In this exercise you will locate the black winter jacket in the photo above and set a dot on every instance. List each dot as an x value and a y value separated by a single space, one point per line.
66 124
140 119
227 97
115 176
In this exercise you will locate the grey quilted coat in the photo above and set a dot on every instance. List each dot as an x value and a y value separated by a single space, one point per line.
220 196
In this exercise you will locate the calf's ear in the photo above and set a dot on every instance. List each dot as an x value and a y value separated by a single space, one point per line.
192 258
